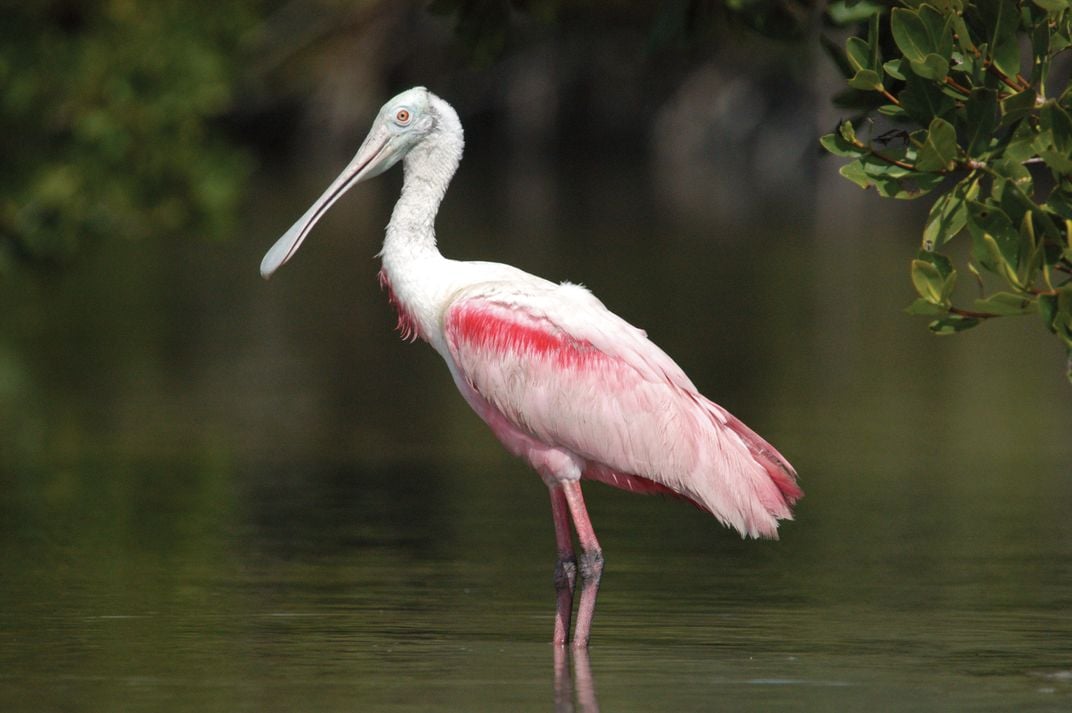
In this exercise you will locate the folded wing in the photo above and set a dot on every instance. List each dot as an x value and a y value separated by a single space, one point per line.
568 373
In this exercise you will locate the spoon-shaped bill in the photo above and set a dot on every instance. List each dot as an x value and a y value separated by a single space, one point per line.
374 157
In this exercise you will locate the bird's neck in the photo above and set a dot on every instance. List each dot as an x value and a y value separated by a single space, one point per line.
427 170
412 265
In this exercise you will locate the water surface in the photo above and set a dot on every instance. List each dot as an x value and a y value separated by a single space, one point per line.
341 588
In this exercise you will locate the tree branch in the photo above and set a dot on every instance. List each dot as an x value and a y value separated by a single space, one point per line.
970 313
886 159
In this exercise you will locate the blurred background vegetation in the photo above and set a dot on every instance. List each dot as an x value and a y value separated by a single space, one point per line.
133 119
112 122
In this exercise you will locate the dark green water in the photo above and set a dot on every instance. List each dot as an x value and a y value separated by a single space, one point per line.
221 494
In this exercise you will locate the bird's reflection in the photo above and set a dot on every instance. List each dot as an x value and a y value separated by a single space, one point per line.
576 692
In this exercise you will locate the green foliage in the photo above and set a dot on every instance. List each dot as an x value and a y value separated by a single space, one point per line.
105 111
991 134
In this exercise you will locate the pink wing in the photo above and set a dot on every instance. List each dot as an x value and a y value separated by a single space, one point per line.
559 369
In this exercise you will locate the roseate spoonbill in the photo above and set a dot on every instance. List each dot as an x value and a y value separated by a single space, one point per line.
565 384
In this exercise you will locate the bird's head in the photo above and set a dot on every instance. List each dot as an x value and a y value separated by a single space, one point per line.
402 124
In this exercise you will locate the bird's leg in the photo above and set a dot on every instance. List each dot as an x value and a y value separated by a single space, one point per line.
565 567
589 564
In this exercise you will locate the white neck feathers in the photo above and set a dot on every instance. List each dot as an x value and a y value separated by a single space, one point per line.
427 169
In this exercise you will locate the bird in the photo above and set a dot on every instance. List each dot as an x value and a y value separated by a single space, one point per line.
565 384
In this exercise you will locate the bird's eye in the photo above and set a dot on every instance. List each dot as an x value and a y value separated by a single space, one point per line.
402 116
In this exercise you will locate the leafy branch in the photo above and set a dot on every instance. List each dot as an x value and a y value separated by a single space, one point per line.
990 140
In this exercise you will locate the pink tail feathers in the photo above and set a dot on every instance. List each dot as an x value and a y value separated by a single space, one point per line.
781 473
744 481
771 492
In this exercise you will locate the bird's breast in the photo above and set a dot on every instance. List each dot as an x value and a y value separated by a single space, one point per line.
408 326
